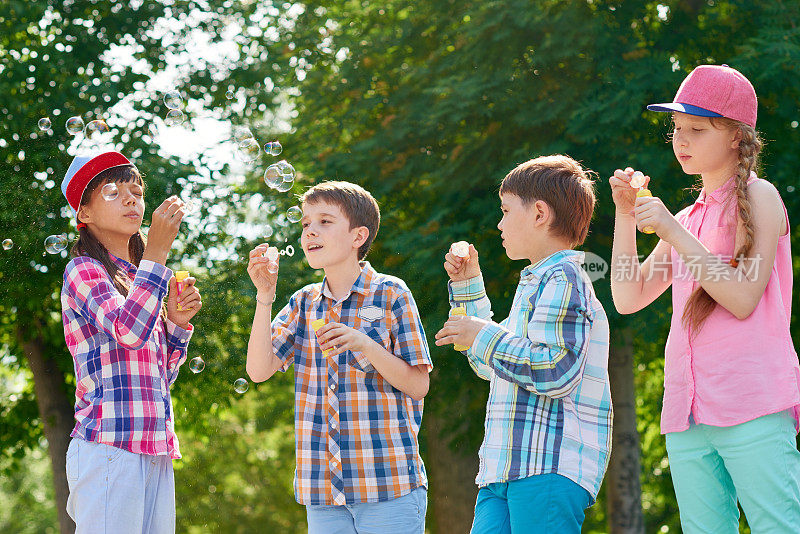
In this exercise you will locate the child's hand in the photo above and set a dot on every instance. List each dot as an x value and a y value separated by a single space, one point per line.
337 338
460 330
462 268
650 211
260 270
163 229
189 299
621 191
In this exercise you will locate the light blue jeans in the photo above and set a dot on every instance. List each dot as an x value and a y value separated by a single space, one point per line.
544 504
756 462
403 515
113 491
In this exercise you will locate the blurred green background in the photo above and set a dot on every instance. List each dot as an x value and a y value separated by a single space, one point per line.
426 104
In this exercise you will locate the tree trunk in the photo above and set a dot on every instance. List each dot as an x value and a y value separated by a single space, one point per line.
57 415
624 492
451 476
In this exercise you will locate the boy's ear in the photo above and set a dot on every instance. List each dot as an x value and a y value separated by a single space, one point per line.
542 213
361 236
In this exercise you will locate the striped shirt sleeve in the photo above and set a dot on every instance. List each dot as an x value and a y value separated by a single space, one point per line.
177 345
130 320
407 332
284 330
550 359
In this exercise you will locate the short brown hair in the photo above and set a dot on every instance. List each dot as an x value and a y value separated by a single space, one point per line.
357 204
564 185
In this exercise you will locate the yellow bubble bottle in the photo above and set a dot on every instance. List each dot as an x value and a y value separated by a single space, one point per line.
316 324
459 310
180 276
645 193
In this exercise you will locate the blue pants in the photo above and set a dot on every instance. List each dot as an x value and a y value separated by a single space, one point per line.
543 504
403 515
756 462
113 490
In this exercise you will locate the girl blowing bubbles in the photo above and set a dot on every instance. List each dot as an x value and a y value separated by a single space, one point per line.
731 376
126 348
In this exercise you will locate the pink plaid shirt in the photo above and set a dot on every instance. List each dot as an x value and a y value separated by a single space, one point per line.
124 358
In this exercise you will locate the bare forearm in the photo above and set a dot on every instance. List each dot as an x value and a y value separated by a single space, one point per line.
261 360
411 380
626 279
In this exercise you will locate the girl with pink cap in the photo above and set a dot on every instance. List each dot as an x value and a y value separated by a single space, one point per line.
731 376
127 345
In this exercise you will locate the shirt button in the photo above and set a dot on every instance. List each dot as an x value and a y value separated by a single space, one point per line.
160 362
333 387
183 340
333 425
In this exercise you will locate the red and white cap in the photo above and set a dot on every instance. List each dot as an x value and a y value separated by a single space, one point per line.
715 91
84 169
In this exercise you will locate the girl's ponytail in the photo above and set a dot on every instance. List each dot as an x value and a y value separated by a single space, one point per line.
701 304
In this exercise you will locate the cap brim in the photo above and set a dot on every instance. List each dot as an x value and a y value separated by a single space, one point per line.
683 108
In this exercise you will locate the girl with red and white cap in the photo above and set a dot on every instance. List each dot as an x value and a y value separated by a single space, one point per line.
731 375
127 346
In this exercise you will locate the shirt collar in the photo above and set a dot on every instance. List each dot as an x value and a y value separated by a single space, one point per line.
720 194
535 271
362 284
124 265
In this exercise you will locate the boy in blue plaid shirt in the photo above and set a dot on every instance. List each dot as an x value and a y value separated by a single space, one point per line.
548 417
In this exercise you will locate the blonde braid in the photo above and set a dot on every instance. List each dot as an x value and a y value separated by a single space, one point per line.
701 304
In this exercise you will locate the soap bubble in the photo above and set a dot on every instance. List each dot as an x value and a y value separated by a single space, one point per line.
241 134
294 214
249 150
197 365
229 94
289 250
173 100
240 385
272 267
637 179
75 125
267 232
95 128
174 117
44 124
285 185
110 191
153 130
273 148
273 176
7 244
55 243
286 169
191 206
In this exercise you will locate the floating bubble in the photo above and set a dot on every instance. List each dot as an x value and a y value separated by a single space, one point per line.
191 206
75 125
294 214
173 100
790 189
240 385
153 130
289 250
55 243
268 231
286 169
229 94
197 365
174 117
273 176
44 124
110 191
241 133
273 148
637 179
285 185
95 127
7 244
249 150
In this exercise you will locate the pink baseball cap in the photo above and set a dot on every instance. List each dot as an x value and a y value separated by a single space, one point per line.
715 91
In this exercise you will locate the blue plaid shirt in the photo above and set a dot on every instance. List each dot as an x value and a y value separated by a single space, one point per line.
549 408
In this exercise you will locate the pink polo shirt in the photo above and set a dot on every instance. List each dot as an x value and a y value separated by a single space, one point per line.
732 370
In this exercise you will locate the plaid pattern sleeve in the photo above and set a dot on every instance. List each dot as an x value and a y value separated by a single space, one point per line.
355 434
177 345
549 408
471 294
125 356
549 359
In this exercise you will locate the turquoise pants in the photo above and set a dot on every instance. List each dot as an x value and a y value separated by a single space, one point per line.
541 504
756 462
